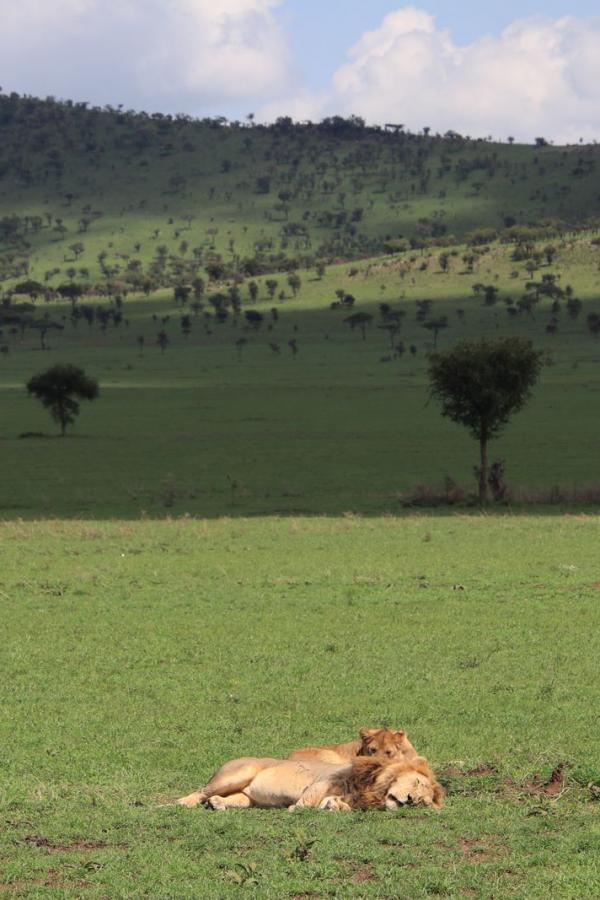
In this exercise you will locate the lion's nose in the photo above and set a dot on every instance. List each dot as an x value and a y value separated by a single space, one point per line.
398 801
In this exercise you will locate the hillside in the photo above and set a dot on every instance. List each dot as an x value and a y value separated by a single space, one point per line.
95 195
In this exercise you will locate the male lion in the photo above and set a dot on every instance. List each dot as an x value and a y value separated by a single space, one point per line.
237 773
366 783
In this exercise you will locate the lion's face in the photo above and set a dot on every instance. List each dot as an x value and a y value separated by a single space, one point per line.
385 742
412 788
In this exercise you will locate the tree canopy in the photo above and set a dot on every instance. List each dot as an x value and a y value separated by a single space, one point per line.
60 388
482 384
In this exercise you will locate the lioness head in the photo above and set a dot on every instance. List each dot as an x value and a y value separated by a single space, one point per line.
386 742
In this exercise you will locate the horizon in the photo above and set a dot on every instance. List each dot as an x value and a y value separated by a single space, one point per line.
507 70
250 121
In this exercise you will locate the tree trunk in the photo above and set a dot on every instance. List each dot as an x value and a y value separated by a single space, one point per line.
62 417
483 469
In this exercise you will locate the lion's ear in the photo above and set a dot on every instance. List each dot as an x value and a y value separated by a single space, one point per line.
368 732
421 765
399 737
438 796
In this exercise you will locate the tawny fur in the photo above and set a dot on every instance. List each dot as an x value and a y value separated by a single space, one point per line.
365 785
372 741
233 776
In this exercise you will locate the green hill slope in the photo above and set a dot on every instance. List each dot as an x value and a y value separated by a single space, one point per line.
90 194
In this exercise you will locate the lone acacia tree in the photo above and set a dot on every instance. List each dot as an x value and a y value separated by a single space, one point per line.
60 388
481 385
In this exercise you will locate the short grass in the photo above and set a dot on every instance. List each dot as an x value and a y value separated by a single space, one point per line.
138 656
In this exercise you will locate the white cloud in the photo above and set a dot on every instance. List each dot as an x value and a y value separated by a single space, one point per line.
158 54
540 76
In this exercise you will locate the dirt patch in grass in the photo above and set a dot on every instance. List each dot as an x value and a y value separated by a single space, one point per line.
536 786
55 878
484 849
38 840
453 777
482 769
365 873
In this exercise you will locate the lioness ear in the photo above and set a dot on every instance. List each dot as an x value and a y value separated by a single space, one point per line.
368 732
399 737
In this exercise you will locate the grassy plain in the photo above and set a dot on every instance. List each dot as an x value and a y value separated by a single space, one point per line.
210 429
216 560
137 656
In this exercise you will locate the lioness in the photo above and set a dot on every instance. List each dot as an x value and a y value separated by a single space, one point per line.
237 773
372 740
366 783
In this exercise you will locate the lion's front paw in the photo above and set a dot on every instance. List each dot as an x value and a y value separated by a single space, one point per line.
334 804
217 803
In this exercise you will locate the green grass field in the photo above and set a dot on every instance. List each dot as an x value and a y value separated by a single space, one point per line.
137 657
218 559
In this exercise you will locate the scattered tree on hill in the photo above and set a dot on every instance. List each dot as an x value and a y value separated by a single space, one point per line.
60 388
593 323
32 288
162 339
254 318
295 282
481 384
71 291
436 325
186 325
359 320
271 285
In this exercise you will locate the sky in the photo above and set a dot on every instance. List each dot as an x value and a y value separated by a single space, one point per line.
524 69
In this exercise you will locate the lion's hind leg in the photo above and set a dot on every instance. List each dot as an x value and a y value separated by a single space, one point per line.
191 800
231 778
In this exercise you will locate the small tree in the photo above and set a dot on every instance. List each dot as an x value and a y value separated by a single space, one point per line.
480 385
295 282
162 339
59 389
359 320
436 325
